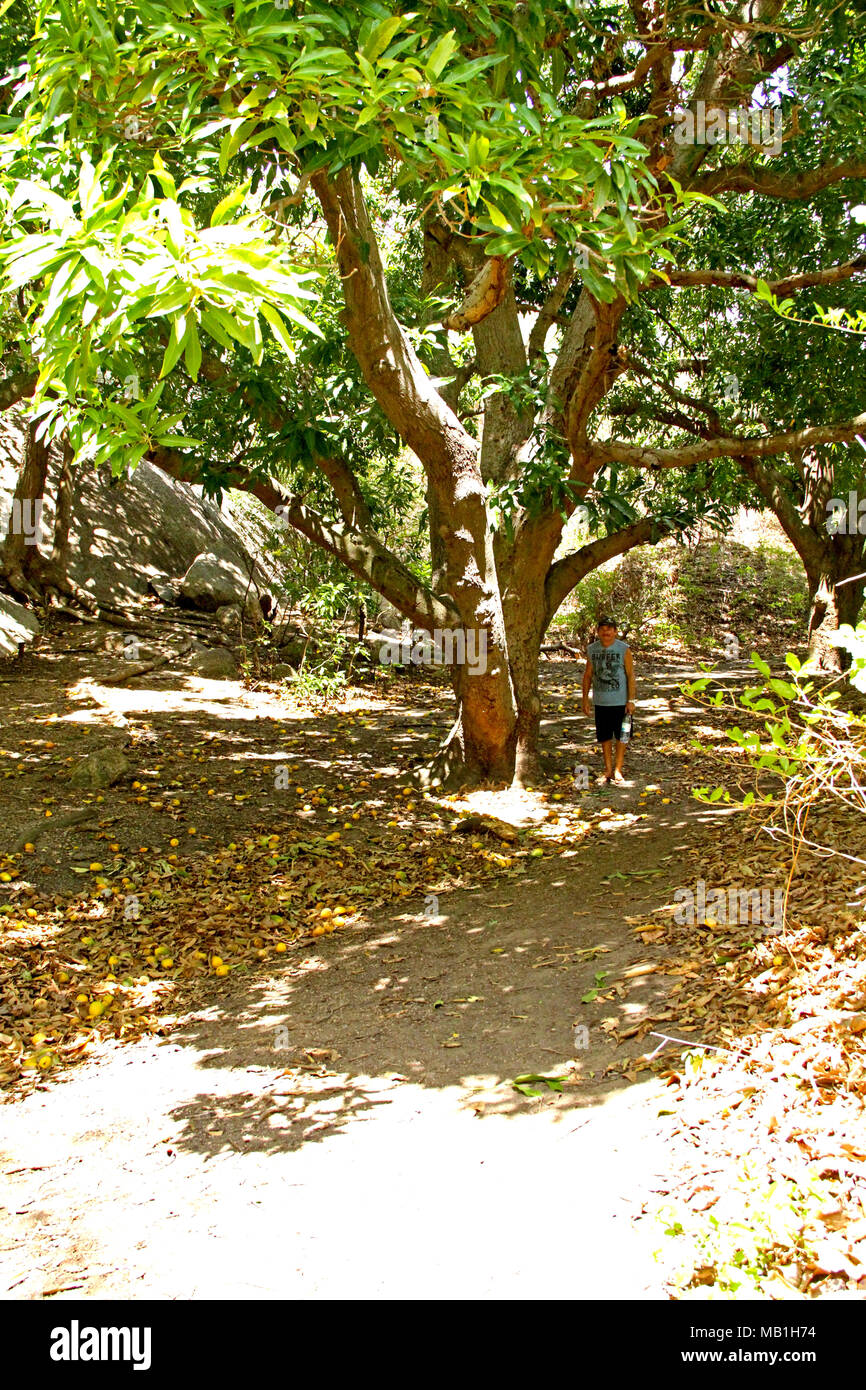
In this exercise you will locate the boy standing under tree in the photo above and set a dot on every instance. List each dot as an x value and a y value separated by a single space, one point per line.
610 672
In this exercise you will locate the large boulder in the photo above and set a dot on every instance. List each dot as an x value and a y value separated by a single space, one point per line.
294 649
133 531
212 582
18 627
214 663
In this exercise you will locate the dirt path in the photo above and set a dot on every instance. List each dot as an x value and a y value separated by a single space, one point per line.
350 1127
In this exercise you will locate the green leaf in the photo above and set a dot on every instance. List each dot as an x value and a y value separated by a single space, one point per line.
380 37
760 665
227 205
497 217
440 54
783 689
175 346
192 349
279 330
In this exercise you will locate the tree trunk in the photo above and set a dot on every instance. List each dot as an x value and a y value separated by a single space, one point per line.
526 612
525 653
63 501
494 738
480 745
21 561
29 573
835 597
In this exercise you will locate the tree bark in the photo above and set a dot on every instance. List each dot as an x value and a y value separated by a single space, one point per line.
29 573
21 561
524 653
835 597
832 562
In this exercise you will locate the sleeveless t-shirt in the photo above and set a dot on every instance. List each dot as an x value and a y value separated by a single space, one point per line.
609 683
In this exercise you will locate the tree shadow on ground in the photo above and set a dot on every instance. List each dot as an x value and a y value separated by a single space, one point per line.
469 1002
474 992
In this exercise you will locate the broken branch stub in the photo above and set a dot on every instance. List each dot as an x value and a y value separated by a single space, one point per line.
484 294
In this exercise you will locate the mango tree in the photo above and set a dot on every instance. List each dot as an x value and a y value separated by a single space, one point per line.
189 177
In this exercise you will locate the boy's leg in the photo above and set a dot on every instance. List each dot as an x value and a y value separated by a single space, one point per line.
607 751
604 736
620 746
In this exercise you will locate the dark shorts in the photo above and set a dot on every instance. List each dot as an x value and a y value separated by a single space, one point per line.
608 722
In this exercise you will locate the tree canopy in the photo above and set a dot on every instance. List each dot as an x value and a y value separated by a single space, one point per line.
271 244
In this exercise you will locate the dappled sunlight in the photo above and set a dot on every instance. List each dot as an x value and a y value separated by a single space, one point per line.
346 965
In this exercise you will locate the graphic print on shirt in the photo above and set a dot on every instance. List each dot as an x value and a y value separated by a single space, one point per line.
607 668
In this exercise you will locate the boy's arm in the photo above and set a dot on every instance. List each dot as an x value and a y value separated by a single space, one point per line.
629 675
587 682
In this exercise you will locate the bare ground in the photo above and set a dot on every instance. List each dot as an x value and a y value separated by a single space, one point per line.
347 1125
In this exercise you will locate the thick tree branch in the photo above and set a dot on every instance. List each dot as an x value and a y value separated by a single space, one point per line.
350 499
742 178
369 560
499 348
624 82
407 395
587 364
738 280
484 294
644 456
676 418
772 485
564 574
548 314
356 547
14 388
387 359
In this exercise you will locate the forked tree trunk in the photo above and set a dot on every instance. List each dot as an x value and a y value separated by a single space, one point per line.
64 498
525 610
480 744
495 733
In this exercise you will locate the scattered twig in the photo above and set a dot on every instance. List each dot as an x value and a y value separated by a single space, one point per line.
732 1052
